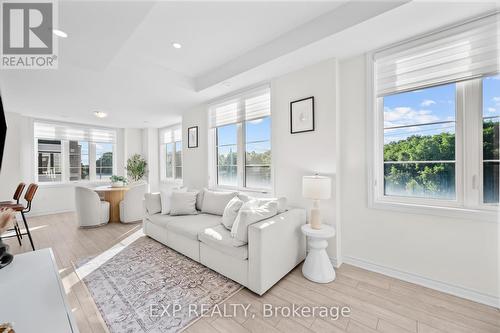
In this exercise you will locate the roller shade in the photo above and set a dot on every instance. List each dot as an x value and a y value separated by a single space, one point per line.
247 106
458 53
73 132
170 134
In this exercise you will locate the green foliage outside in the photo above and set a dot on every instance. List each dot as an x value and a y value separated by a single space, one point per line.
435 180
252 158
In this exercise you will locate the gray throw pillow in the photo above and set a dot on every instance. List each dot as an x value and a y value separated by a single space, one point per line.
215 202
183 203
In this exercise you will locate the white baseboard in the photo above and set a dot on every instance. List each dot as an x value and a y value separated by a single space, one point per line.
42 213
426 282
334 262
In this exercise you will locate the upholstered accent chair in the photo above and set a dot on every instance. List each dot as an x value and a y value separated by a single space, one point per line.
90 210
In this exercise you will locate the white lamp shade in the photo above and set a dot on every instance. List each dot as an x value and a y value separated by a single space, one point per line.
316 187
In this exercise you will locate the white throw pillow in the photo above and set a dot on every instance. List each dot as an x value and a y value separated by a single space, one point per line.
231 211
282 202
153 203
183 203
215 202
199 199
251 212
166 199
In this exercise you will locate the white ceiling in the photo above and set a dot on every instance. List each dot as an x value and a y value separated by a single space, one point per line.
118 57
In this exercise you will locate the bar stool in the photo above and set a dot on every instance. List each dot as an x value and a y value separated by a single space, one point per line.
30 193
16 197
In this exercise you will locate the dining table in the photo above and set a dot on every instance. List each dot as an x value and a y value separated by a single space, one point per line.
113 195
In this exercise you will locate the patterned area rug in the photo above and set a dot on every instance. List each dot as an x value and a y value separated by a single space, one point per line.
146 279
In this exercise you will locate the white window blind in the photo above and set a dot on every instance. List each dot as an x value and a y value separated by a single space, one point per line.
62 131
170 134
247 106
450 55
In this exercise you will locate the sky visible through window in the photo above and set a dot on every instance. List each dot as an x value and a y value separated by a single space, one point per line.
430 105
227 134
491 96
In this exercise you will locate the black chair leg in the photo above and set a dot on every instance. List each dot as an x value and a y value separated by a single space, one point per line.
19 229
18 233
28 230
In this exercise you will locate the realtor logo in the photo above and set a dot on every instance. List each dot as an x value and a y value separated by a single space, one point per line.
27 39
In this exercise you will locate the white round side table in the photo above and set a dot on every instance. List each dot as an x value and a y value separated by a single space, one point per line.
318 267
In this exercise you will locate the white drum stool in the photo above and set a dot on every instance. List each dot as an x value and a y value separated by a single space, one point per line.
318 267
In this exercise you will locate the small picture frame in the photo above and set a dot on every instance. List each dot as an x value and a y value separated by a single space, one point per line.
193 137
302 115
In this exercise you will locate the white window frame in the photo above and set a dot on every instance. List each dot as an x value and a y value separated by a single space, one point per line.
240 161
65 164
163 155
468 157
241 147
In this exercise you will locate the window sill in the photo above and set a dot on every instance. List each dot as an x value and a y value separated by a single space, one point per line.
488 215
87 183
241 189
172 181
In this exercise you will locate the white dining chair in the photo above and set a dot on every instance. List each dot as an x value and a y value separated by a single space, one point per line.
90 210
131 207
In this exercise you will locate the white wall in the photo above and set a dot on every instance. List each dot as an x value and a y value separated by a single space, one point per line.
195 160
19 165
453 254
297 155
132 142
293 156
150 151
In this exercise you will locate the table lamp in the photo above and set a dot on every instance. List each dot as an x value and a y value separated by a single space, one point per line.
316 187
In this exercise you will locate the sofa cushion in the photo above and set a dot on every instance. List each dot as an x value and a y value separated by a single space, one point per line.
251 212
183 203
216 202
219 238
231 211
282 202
153 203
160 219
166 198
190 225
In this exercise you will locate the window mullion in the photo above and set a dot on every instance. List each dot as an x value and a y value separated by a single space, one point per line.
379 150
241 155
470 105
65 161
92 161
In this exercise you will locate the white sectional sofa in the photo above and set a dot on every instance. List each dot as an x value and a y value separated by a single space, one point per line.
275 245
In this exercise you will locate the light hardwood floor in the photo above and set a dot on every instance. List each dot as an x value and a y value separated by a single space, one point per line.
378 303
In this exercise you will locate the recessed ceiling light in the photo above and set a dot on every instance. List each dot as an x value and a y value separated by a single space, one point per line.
100 114
176 45
59 33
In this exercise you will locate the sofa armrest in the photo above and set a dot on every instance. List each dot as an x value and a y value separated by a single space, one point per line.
275 246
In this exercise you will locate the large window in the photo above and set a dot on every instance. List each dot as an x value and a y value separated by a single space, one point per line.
258 153
104 160
49 161
171 153
79 167
241 126
69 152
227 155
491 158
419 143
436 120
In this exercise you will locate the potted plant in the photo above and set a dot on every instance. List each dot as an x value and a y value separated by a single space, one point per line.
136 167
118 181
